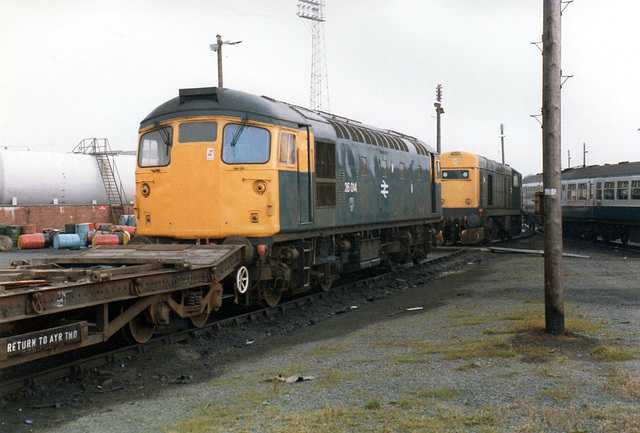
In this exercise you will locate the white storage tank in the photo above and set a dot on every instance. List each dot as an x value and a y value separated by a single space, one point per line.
30 177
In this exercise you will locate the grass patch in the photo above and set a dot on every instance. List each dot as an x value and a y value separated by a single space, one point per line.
328 350
446 394
614 354
467 367
625 383
470 349
373 405
404 343
558 394
398 359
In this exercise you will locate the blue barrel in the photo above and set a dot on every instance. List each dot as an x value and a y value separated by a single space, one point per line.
66 240
81 231
133 221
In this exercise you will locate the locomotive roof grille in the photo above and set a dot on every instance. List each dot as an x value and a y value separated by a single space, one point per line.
387 139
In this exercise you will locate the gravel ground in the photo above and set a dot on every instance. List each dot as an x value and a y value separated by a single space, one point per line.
474 358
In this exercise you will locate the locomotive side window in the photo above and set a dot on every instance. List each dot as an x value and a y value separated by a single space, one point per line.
198 132
623 190
287 148
325 174
383 167
608 190
419 173
455 174
155 148
635 190
401 170
363 166
244 144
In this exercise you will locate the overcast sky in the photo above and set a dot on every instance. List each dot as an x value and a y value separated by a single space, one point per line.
74 69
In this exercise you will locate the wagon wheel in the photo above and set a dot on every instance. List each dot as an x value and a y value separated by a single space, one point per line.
139 329
271 297
200 320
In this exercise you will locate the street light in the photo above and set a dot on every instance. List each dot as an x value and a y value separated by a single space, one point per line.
218 47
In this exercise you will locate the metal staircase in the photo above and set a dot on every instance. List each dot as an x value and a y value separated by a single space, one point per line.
99 147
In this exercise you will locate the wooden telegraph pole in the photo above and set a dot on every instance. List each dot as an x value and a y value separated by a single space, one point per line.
552 164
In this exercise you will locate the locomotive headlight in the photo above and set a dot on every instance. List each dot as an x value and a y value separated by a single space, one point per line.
145 190
467 202
259 186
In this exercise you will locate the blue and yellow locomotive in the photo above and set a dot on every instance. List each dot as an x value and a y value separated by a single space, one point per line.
311 195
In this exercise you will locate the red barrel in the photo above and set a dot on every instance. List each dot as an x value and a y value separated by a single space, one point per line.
31 241
129 229
105 239
29 229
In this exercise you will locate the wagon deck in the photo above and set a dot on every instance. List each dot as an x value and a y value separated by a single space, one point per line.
137 276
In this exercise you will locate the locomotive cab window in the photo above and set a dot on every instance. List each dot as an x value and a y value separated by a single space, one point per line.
197 132
155 148
243 144
287 148
455 174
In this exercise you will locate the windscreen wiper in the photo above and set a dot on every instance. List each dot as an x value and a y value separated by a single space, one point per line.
236 136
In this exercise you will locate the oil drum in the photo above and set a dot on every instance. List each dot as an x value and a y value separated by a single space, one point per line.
31 241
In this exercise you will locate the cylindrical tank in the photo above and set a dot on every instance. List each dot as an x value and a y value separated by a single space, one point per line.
14 232
50 178
31 241
82 230
66 240
129 229
105 239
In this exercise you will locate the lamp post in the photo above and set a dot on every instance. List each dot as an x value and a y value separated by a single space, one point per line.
218 47
439 111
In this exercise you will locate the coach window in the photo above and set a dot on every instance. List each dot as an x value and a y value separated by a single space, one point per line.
244 144
635 190
564 193
608 191
582 191
571 192
197 132
623 190
155 148
598 190
287 148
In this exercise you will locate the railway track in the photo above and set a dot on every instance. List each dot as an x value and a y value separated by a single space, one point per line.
15 381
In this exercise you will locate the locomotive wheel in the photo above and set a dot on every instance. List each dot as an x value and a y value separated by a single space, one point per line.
139 240
326 285
200 320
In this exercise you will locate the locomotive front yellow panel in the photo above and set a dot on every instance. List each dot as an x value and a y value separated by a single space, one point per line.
206 177
460 180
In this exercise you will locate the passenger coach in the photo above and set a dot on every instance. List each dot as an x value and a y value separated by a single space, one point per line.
598 201
310 194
